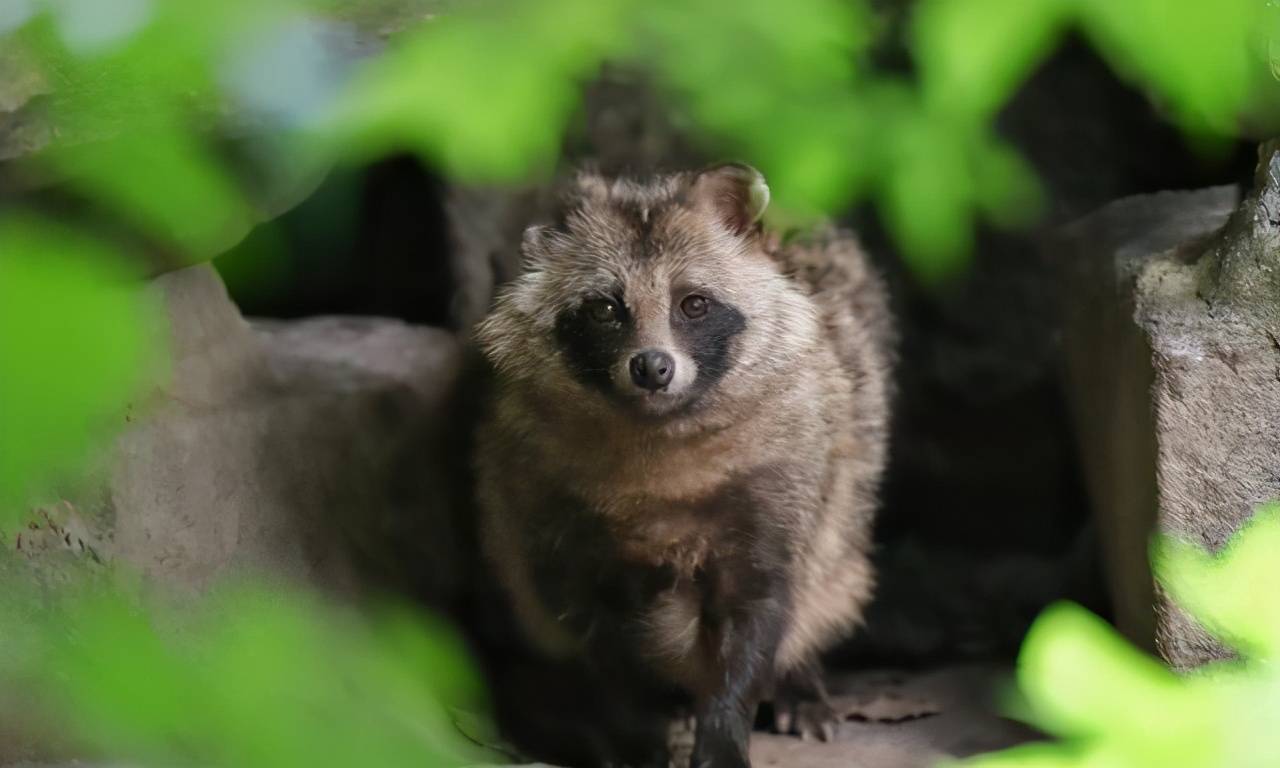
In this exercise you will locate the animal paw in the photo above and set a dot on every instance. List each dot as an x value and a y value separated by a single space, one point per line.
801 707
808 718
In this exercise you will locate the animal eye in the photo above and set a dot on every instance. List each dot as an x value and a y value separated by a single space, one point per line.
601 310
694 306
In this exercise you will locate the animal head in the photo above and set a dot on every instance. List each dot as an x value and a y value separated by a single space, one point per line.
650 298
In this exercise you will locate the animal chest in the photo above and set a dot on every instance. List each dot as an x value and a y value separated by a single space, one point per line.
642 577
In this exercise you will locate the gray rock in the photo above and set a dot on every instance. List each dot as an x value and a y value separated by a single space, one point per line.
301 452
1172 321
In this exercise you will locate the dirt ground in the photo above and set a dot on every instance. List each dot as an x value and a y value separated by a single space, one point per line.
898 719
904 720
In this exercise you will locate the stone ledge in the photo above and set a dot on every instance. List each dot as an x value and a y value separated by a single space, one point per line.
1171 310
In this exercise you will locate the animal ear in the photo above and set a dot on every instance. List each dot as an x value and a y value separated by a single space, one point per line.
533 244
581 186
569 193
735 193
531 240
589 184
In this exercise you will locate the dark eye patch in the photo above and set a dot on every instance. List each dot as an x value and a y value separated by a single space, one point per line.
708 339
591 347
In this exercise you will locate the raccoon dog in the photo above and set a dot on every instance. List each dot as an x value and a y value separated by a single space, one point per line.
678 463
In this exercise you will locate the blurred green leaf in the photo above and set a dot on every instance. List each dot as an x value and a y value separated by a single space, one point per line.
162 178
1114 706
1198 56
486 90
777 88
973 54
927 197
245 677
1068 656
485 93
1233 594
1271 36
78 340
135 117
1006 186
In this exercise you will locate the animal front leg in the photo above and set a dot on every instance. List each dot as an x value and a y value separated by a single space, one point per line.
746 643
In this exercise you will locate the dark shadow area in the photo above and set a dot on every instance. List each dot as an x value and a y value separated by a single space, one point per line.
367 242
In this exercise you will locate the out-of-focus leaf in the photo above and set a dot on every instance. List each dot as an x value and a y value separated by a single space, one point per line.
1006 186
1198 56
1271 36
1068 654
928 196
974 53
135 117
484 94
1115 707
1233 594
162 178
247 677
77 341
485 90
779 88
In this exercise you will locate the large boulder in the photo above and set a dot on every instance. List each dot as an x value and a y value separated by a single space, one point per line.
310 452
1172 337
315 454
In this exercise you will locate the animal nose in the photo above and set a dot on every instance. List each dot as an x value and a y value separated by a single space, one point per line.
652 369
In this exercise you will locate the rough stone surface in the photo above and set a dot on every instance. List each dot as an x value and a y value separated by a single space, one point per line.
297 451
1173 320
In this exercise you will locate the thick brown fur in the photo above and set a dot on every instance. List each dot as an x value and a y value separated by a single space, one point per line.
712 535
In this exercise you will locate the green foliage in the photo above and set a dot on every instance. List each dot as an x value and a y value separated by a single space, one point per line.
778 88
1231 594
126 106
1113 706
1200 57
73 330
249 677
486 92
792 90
